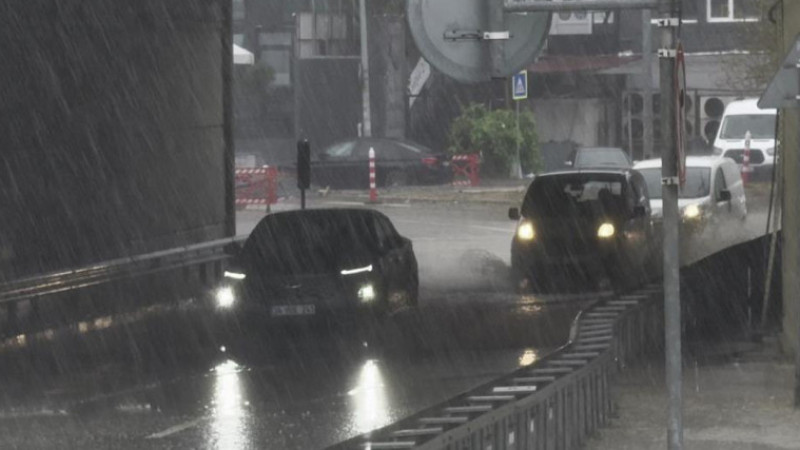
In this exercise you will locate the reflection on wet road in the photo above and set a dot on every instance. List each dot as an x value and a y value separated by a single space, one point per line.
172 376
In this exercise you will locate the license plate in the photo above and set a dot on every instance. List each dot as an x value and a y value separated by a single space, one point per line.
293 310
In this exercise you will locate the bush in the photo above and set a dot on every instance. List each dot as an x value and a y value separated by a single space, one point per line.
494 135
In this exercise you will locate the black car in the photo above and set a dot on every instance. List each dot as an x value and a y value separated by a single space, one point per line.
596 157
397 163
313 262
588 225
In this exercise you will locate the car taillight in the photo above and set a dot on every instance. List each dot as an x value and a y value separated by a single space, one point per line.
430 161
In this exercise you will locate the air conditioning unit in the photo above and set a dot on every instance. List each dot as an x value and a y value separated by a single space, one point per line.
633 121
711 111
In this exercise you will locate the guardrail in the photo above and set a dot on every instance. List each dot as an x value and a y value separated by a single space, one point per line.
132 266
554 403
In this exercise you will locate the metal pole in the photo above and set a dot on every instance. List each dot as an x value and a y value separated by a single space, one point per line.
669 173
229 157
647 91
517 169
577 5
791 226
366 124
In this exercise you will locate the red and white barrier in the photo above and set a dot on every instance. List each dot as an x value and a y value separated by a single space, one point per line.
256 186
466 170
373 191
746 169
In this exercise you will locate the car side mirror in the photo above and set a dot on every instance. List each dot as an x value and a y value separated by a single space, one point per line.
513 213
639 211
724 196
568 163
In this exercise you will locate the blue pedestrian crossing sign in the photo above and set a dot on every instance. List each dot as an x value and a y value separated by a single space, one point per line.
519 85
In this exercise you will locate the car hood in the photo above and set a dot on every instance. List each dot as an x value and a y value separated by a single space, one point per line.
657 205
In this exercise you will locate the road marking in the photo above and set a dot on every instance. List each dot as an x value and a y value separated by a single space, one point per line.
176 429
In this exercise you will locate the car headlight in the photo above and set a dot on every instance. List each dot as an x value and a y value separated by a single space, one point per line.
366 293
606 231
234 275
225 297
692 212
525 231
771 151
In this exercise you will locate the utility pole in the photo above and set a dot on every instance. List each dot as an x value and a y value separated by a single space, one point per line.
366 122
647 91
668 22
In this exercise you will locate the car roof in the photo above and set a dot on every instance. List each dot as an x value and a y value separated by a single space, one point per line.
602 148
747 106
588 170
691 161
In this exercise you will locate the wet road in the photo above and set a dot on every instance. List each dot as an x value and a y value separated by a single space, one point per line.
168 377
173 377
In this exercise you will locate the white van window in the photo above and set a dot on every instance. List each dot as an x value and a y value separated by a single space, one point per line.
760 126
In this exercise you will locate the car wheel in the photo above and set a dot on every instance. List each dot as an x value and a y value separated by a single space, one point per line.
397 178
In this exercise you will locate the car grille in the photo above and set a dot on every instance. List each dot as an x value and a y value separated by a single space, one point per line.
564 247
756 156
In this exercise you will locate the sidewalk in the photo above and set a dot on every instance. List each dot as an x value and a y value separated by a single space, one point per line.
738 400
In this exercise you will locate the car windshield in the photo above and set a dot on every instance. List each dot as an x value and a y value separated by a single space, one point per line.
574 195
697 182
313 243
760 126
599 157
341 150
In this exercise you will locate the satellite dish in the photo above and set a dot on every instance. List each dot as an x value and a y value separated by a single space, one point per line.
451 34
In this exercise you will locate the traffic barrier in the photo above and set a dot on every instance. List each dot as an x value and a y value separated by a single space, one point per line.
373 191
555 403
466 170
256 186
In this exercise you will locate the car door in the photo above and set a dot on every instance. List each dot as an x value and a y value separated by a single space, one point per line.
393 253
722 208
637 226
733 179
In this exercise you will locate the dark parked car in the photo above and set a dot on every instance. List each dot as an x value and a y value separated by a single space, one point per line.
397 163
595 157
589 225
312 262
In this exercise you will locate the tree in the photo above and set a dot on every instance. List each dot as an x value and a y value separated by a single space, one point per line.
494 134
754 70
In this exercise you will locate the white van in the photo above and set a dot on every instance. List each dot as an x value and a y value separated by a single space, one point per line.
740 117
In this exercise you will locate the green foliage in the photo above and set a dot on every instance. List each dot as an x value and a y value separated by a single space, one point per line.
494 134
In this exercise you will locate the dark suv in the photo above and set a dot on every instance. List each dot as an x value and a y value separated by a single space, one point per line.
587 226
320 262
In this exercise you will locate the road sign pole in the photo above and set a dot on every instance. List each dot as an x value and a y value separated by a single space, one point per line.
366 124
669 164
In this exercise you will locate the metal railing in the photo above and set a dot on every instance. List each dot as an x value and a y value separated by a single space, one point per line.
106 271
555 403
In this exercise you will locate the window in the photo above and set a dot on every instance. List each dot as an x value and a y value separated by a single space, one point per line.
732 10
343 150
280 62
238 9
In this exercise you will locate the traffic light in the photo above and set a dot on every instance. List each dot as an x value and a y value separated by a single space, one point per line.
303 164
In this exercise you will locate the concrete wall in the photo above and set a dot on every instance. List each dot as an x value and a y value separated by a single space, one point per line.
791 199
113 129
